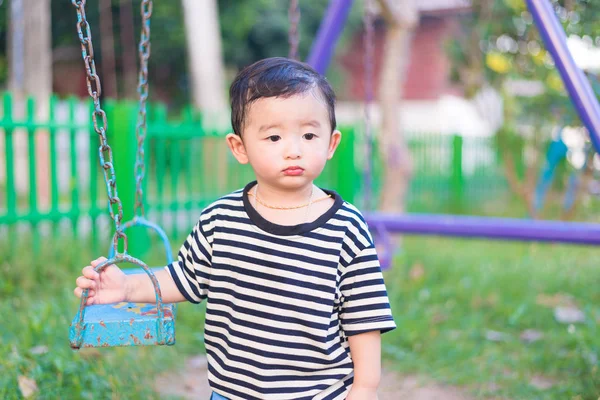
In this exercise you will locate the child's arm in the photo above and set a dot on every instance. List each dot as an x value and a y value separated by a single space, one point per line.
112 286
366 355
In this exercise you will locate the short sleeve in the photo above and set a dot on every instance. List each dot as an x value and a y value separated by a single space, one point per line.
191 270
364 303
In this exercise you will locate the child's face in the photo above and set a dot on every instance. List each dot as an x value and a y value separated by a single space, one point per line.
287 141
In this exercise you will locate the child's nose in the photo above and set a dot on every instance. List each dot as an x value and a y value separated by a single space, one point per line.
293 150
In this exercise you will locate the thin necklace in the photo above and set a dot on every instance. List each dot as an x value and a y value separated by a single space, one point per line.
310 202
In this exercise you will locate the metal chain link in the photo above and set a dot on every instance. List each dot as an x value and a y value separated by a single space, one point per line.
368 60
294 34
141 128
105 152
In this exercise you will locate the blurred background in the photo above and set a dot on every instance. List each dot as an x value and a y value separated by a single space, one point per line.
446 106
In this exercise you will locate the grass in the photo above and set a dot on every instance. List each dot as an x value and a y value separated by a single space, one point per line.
37 305
448 297
451 296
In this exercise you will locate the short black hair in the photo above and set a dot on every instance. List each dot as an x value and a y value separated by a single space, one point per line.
276 77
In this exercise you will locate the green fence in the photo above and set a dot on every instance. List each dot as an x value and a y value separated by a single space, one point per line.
453 173
50 176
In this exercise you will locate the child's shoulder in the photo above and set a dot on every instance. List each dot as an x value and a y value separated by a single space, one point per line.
357 231
230 202
352 213
351 216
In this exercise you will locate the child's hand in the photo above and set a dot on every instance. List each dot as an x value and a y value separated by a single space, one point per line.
108 286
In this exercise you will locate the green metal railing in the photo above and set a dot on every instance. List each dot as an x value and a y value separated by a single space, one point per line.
188 167
453 173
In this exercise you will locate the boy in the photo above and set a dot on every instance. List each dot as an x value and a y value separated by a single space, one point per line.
295 297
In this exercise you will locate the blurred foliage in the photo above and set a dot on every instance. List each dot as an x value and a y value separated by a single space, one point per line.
250 30
501 46
256 29
502 43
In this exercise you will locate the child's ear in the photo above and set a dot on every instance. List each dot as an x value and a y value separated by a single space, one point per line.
334 141
236 145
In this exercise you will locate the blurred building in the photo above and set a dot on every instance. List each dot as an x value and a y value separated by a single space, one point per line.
431 101
428 89
68 76
429 69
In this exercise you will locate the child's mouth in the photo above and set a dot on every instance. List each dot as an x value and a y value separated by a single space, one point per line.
293 171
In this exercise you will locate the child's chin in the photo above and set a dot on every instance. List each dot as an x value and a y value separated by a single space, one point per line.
295 182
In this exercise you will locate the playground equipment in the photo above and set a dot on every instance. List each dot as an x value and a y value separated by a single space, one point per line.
158 326
122 324
387 251
581 95
557 152
125 324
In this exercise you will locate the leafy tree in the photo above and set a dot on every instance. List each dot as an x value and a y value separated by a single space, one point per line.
251 29
501 44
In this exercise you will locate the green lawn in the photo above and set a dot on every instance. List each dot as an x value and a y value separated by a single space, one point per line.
460 305
37 304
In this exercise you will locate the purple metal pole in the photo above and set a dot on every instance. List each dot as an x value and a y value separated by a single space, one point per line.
328 34
588 108
579 88
491 228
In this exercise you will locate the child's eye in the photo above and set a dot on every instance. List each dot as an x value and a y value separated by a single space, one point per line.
309 136
274 138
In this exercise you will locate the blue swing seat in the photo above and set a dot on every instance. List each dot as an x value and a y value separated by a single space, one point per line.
126 324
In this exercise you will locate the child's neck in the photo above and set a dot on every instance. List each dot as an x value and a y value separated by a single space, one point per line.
277 197
279 207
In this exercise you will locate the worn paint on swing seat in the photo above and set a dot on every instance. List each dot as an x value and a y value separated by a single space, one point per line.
125 324
121 324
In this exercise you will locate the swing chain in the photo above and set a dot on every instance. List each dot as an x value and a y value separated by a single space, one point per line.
141 127
369 54
293 33
100 122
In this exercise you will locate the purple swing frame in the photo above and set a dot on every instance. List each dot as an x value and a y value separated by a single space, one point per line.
582 96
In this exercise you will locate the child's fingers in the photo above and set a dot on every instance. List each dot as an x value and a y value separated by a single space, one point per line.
89 272
79 292
85 283
98 261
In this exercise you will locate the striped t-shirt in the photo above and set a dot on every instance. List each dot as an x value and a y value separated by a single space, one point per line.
282 300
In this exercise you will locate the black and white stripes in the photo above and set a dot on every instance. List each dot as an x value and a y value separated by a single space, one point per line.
282 300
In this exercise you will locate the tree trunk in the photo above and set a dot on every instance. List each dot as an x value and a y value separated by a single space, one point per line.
30 74
585 177
107 41
205 60
401 18
524 190
129 50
